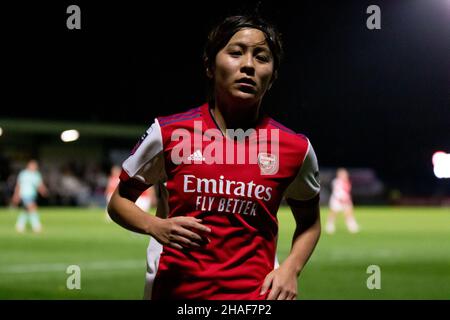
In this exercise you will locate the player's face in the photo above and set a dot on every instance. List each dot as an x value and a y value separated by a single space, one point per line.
32 165
343 174
243 68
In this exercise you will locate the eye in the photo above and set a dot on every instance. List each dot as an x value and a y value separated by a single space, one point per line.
235 53
263 58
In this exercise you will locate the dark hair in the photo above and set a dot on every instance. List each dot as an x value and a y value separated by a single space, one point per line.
222 33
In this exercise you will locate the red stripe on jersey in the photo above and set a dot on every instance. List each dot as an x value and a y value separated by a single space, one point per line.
280 126
180 119
286 129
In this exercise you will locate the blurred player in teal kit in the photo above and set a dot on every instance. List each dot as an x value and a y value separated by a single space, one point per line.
29 183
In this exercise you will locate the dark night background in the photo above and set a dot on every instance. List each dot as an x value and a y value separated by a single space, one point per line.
365 98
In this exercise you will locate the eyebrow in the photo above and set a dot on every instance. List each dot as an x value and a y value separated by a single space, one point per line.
260 45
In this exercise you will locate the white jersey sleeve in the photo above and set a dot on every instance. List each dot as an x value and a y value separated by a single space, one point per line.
145 165
306 185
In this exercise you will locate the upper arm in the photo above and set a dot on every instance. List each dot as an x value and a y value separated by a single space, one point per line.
303 194
17 189
145 166
127 191
306 216
305 187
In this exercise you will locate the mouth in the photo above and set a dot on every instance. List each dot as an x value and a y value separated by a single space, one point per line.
246 85
246 81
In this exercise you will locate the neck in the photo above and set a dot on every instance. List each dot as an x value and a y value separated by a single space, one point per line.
233 118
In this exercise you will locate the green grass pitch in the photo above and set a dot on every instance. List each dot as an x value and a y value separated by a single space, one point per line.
410 245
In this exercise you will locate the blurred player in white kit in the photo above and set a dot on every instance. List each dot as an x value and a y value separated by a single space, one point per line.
29 184
341 201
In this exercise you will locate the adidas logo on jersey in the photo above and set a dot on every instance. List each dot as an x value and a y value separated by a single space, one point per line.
196 156
218 149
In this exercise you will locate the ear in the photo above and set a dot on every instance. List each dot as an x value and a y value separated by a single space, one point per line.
208 67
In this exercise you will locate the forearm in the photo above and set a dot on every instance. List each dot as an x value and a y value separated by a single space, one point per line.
16 191
16 196
43 190
303 244
128 215
176 232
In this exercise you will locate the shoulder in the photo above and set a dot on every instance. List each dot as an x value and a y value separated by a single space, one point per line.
288 135
23 174
177 118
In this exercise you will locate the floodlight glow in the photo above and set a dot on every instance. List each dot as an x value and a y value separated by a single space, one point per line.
70 135
441 164
1 131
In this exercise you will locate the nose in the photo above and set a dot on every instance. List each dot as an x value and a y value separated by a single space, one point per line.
247 65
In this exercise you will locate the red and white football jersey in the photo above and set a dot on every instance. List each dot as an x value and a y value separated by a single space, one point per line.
238 200
341 191
340 199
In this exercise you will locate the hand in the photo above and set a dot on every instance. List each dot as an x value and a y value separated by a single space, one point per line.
282 284
43 191
176 232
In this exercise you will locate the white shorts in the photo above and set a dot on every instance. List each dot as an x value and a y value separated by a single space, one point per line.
143 203
154 250
336 205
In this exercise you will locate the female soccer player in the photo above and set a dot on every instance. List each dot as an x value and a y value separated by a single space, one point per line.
341 201
29 183
221 186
